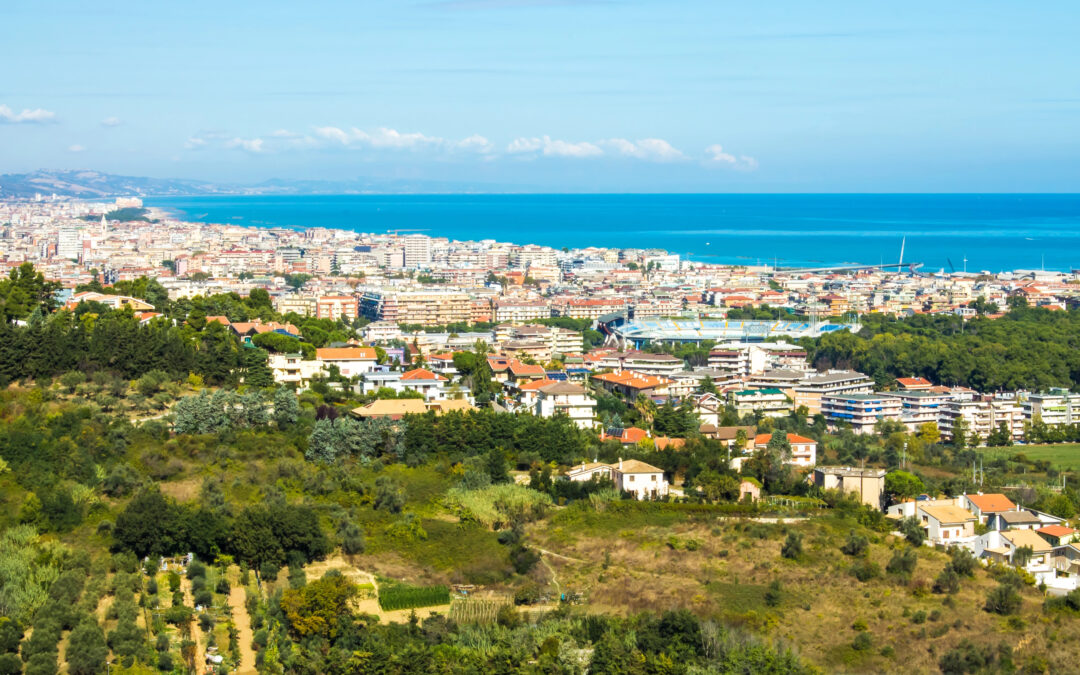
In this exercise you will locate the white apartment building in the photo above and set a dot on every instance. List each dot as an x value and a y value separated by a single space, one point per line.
565 398
68 243
417 251
860 411
642 480
982 418
1055 407
770 402
510 311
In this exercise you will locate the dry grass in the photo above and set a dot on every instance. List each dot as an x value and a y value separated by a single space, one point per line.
633 571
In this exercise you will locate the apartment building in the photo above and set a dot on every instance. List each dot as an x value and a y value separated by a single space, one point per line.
981 418
810 390
917 406
417 251
642 362
589 309
571 400
769 402
860 411
304 306
755 359
426 308
510 311
336 306
1054 407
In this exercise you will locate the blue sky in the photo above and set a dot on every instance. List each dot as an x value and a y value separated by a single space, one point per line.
551 95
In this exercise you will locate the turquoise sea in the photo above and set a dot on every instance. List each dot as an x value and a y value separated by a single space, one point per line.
992 232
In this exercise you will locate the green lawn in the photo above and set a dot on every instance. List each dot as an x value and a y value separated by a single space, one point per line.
1064 456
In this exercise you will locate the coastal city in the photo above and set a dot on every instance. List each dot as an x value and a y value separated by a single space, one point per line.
539 337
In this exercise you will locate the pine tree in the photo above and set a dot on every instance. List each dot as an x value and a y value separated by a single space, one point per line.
286 408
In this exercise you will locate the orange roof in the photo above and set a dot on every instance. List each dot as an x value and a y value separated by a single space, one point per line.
633 380
663 442
763 439
914 381
1056 531
991 503
345 354
223 320
536 384
446 356
421 374
519 368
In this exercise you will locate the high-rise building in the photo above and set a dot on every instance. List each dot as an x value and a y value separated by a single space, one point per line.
68 243
417 251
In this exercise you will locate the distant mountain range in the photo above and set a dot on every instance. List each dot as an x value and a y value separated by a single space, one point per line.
88 184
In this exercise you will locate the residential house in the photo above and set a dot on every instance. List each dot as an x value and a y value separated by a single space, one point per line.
1057 535
1013 520
350 361
293 370
803 449
986 505
631 385
642 480
947 525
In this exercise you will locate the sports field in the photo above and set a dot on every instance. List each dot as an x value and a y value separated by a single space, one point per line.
1063 456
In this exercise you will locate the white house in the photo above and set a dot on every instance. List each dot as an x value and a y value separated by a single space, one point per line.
986 505
565 398
948 525
642 480
293 369
349 360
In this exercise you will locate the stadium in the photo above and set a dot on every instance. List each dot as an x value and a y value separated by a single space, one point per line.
639 332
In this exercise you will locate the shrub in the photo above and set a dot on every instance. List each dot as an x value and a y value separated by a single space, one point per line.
865 570
948 581
913 531
196 569
1003 600
174 581
500 503
165 662
855 545
204 598
268 571
222 586
902 563
963 563
862 642
792 547
918 617
774 595
206 622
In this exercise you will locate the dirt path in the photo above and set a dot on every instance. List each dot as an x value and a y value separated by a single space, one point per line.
196 631
238 603
553 554
554 578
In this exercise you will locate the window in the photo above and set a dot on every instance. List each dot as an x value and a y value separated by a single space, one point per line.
944 534
630 478
654 479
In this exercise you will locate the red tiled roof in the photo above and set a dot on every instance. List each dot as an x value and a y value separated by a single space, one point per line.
1056 531
992 503
421 374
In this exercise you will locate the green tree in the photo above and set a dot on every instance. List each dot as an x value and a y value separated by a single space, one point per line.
286 408
86 650
903 485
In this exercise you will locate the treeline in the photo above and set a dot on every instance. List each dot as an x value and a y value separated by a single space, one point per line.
117 343
265 537
1028 348
314 629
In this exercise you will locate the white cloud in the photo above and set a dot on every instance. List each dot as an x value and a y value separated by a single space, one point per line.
76 148
27 116
651 149
285 133
717 155
385 138
550 147
246 144
110 122
194 143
